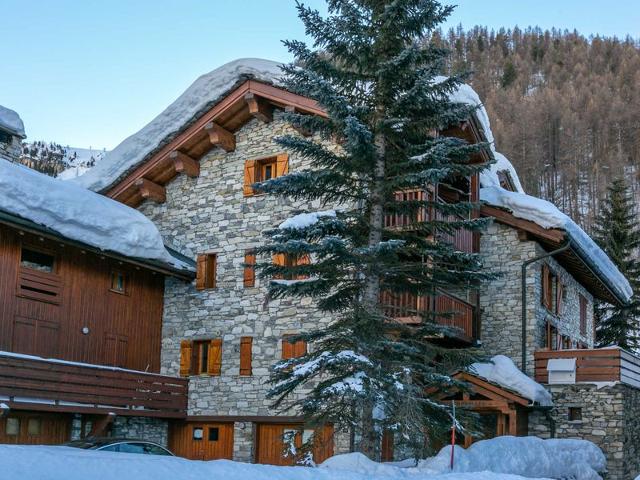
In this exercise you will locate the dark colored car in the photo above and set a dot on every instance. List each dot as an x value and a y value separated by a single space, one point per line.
123 445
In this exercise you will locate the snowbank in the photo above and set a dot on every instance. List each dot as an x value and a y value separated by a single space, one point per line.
65 463
547 215
79 214
205 92
504 372
11 121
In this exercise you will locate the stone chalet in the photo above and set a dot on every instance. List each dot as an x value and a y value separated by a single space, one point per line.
190 172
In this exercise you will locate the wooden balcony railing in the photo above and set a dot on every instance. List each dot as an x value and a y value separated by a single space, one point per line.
406 308
56 385
597 365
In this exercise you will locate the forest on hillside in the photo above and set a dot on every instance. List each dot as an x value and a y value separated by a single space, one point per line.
565 109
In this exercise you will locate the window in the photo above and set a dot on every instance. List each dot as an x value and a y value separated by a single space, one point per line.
583 314
552 297
575 414
206 271
34 426
197 433
12 427
290 261
263 169
5 137
245 355
249 269
506 181
292 349
118 282
201 357
214 434
37 260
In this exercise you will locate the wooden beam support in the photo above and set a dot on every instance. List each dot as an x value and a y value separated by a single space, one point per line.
99 427
259 108
150 190
219 137
302 131
183 163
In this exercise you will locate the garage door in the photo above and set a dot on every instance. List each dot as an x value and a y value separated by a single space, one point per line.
202 441
35 428
279 444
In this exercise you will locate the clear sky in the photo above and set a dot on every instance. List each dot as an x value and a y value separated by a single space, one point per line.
91 72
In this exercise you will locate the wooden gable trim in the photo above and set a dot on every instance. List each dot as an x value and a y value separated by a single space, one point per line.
490 390
126 191
552 234
151 190
183 163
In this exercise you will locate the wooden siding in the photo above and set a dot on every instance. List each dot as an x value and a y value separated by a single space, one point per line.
124 330
100 388
183 444
599 365
270 446
52 429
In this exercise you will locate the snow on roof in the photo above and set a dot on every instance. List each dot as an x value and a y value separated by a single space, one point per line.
81 215
503 372
547 215
11 121
205 92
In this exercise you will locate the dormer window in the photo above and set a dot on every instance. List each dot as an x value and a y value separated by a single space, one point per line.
506 180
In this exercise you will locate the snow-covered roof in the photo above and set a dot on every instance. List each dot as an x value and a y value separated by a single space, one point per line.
11 122
203 94
502 371
81 215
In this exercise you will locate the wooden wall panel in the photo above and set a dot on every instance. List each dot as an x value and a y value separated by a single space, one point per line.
182 443
123 329
52 429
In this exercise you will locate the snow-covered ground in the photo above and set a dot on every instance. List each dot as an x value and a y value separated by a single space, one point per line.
503 458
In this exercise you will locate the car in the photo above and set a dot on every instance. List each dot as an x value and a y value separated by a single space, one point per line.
122 445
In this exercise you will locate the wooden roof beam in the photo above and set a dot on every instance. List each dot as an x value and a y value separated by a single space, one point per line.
259 107
183 163
150 190
219 137
305 132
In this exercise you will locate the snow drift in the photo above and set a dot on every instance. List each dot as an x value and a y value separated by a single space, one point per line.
79 214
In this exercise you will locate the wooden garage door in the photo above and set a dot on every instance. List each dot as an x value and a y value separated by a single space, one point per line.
271 440
35 428
202 441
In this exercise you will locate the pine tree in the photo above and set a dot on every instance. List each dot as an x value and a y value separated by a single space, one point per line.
618 233
375 75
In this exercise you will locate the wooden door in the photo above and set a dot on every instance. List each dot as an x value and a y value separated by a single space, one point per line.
35 428
274 443
202 441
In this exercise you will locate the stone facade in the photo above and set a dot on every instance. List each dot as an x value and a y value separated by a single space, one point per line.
608 419
210 214
10 149
500 300
147 428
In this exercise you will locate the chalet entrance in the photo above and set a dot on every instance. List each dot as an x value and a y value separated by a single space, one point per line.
502 411
279 444
35 428
201 440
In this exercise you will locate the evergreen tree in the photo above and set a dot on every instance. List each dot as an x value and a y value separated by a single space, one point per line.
617 231
374 73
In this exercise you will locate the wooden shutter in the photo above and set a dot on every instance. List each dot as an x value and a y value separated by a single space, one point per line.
293 349
206 271
300 348
214 357
302 260
185 357
201 271
583 315
245 355
249 177
546 286
559 292
282 164
249 269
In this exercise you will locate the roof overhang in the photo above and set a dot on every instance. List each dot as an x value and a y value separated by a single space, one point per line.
573 259
45 232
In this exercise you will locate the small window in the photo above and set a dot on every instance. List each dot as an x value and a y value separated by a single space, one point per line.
575 414
206 271
263 169
290 261
197 433
214 433
34 426
12 426
506 181
201 354
118 282
291 349
266 170
36 260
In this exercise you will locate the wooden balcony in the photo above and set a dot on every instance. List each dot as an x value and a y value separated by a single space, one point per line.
597 365
457 314
34 383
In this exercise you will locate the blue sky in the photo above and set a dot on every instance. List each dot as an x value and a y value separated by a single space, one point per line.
91 72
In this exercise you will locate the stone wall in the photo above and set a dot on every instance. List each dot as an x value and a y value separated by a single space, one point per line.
609 419
11 150
500 300
146 428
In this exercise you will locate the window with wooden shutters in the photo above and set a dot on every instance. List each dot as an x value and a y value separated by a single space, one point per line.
245 355
583 314
249 269
185 357
206 271
291 349
285 260
201 357
263 169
